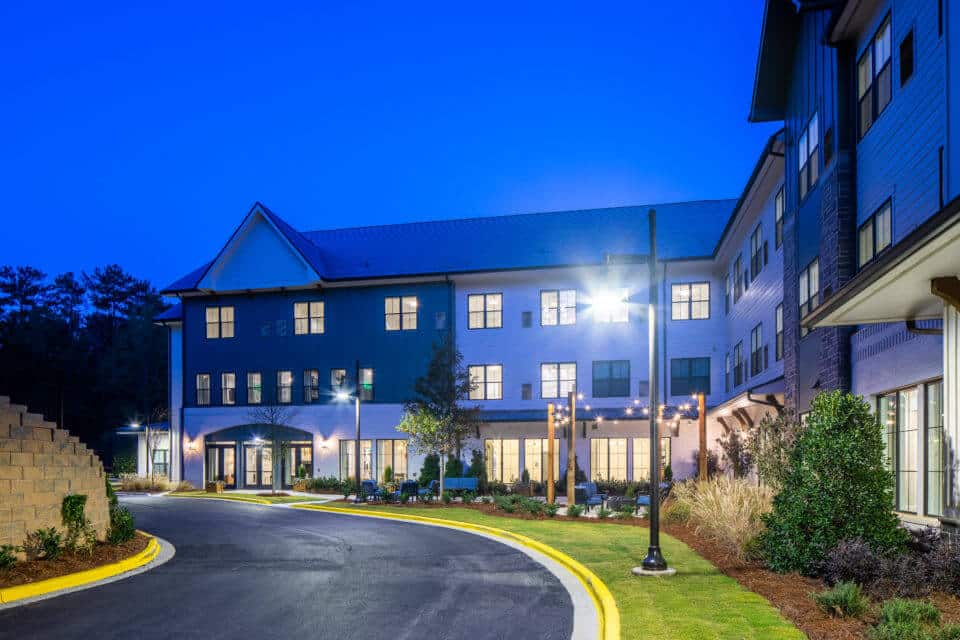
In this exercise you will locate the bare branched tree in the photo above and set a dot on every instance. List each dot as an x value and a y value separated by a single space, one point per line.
274 416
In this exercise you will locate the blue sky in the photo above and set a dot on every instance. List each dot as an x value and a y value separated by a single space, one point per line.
142 134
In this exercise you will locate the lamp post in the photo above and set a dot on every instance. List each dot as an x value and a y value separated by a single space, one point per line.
342 395
654 563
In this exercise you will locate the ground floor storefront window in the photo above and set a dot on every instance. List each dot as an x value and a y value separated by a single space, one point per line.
502 459
935 449
348 469
297 461
535 456
393 454
641 458
608 459
221 464
258 465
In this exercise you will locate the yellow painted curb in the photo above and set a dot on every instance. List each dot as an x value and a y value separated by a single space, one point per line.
250 499
607 612
33 589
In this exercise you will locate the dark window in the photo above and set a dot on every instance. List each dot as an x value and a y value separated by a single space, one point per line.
756 252
526 319
203 388
906 58
526 391
738 278
874 78
738 364
809 155
728 292
689 376
726 373
440 320
311 385
756 350
809 290
611 378
827 146
874 234
778 205
779 347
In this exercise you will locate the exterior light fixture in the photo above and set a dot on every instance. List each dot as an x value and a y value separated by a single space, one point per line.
342 396
629 411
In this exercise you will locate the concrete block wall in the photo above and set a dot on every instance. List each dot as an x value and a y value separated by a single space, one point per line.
40 465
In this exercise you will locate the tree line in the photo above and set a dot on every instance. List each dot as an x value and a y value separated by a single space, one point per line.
83 350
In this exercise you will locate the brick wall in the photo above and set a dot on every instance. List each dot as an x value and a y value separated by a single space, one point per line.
39 465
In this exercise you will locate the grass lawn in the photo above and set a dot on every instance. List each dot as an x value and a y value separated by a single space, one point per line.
698 603
244 497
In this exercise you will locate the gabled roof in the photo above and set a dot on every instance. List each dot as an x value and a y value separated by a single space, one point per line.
173 313
778 38
522 241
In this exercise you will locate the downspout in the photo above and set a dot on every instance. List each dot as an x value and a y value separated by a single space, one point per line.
921 331
663 323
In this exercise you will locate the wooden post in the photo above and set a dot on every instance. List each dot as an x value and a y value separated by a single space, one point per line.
702 423
551 429
571 450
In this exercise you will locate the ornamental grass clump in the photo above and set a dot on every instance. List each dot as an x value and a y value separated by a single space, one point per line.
728 511
837 486
843 600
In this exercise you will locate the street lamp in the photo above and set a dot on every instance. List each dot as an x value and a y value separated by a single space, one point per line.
343 396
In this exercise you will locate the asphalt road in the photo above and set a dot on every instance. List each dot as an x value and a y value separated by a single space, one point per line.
246 572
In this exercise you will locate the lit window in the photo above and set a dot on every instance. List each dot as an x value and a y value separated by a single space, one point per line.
254 387
757 359
366 384
487 381
874 85
809 152
393 454
203 388
779 351
611 306
738 364
311 385
308 317
641 458
536 453
400 313
558 306
219 322
338 378
779 209
228 388
557 379
502 459
608 459
284 387
690 301
348 459
809 284
875 234
485 311
757 252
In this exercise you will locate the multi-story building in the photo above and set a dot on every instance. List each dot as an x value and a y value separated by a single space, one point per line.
835 269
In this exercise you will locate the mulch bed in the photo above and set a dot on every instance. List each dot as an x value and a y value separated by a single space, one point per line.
35 570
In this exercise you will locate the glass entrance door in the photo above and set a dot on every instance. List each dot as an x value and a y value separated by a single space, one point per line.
296 457
221 464
258 465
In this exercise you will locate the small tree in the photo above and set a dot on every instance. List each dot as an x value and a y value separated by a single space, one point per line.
430 470
770 443
274 416
713 462
837 486
733 443
478 469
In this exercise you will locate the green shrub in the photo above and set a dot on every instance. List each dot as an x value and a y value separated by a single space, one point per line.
447 497
8 556
485 499
724 510
949 632
124 463
347 487
903 610
111 494
404 498
837 487
81 535
844 600
323 483
626 511
121 526
504 503
902 619
532 506
430 470
468 497
551 509
898 631
575 510
603 513
43 544
675 512
454 467
388 474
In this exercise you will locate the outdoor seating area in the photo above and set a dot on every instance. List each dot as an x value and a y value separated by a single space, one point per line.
411 490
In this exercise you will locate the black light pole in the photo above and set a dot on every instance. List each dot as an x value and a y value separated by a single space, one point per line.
356 395
654 562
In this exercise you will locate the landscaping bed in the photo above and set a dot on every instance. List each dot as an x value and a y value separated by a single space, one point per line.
28 571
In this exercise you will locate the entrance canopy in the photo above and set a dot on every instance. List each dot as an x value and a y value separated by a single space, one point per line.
909 281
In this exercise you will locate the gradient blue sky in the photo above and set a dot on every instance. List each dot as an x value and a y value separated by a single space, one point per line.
141 135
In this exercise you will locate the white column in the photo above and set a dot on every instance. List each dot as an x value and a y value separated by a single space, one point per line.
951 408
921 494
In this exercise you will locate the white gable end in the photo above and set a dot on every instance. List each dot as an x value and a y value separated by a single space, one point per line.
258 257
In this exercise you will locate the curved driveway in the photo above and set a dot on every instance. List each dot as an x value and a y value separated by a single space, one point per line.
245 571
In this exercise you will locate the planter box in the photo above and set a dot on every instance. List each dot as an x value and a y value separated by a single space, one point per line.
215 487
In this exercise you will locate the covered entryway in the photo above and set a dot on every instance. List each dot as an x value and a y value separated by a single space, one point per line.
249 456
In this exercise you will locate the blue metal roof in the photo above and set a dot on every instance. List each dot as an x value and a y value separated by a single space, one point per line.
173 313
521 241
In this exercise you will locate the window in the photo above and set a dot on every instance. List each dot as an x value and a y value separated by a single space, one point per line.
778 211
284 387
608 459
779 325
827 146
611 378
690 301
366 385
641 458
338 378
308 317
689 375
502 459
738 364
203 388
254 387
557 379
809 282
535 457
727 293
485 311
348 459
526 319
228 388
311 385
906 443
440 320
935 449
737 278
393 454
612 306
809 150
757 252
400 313
558 306
526 391
757 361
487 381
874 235
873 78
726 373
219 322
161 461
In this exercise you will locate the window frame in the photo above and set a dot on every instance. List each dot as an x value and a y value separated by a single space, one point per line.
341 385
690 387
310 321
610 381
287 387
779 210
809 159
220 323
208 389
483 384
557 311
558 380
876 76
485 312
738 368
366 391
756 350
251 387
311 392
778 326
403 317
224 400
738 288
688 303
809 297
595 476
875 217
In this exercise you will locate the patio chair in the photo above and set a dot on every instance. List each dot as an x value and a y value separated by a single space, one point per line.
430 491
643 500
370 490
586 494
